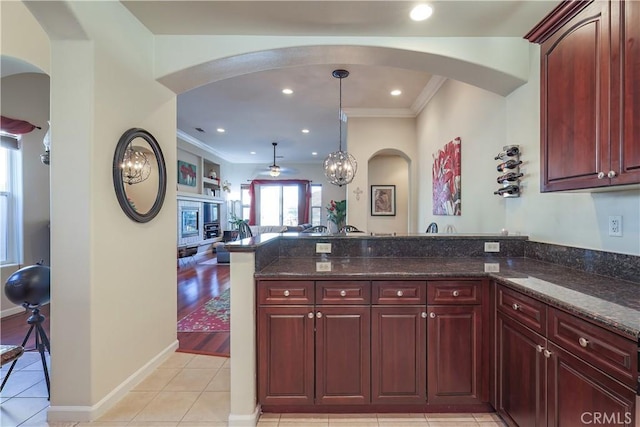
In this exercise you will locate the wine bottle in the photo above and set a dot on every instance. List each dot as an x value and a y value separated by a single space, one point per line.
509 189
511 176
509 152
509 164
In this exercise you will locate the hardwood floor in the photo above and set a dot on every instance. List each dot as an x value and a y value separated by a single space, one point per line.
197 284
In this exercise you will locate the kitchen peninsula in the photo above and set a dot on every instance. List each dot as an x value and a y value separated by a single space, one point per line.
428 323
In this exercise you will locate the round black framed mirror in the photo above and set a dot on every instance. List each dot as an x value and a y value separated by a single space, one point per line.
139 175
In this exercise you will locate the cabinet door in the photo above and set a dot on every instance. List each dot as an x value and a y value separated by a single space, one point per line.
343 355
579 394
398 354
575 67
626 158
521 374
285 350
454 354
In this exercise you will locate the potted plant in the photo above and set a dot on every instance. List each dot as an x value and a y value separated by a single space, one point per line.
337 214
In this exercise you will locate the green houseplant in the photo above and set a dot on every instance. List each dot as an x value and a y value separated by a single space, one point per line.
337 213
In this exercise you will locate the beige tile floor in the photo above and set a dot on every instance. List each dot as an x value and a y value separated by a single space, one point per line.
189 390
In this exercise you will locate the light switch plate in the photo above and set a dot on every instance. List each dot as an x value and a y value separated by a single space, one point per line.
323 248
492 246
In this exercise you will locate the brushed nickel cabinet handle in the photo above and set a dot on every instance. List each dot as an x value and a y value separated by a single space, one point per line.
583 342
539 348
515 306
432 315
343 293
286 293
310 315
318 315
456 293
612 174
547 353
424 314
399 293
601 175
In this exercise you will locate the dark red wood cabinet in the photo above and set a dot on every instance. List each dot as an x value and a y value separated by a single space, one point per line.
590 95
577 373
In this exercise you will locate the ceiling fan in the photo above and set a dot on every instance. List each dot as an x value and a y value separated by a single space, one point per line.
274 170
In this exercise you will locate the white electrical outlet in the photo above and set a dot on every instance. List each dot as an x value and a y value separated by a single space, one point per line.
323 266
323 248
491 267
615 226
492 246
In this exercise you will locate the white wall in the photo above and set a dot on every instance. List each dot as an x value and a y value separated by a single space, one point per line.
112 313
478 117
22 37
368 137
567 218
26 97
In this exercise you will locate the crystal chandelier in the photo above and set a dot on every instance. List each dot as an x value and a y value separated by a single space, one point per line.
274 170
135 166
340 167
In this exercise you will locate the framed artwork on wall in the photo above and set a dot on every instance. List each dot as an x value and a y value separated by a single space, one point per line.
446 174
383 200
187 173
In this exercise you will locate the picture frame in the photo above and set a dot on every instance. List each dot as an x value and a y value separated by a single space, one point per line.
187 173
383 200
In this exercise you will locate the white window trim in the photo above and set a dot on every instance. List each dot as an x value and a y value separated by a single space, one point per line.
14 211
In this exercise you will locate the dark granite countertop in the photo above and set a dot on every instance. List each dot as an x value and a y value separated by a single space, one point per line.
611 302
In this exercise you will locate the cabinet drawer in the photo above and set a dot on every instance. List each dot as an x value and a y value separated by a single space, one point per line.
399 292
606 350
528 311
454 292
343 292
285 292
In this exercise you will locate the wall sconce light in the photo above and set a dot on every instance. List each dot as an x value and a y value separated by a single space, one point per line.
44 158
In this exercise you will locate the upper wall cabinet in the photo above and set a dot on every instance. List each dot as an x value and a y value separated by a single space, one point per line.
590 94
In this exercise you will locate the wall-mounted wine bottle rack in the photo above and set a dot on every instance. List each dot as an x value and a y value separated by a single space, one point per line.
509 169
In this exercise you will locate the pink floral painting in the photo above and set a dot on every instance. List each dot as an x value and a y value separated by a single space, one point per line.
446 179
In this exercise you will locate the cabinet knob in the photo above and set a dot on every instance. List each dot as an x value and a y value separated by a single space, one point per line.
319 315
286 293
456 293
547 354
601 175
310 315
424 314
583 342
399 293
432 315
515 306
539 348
612 174
343 293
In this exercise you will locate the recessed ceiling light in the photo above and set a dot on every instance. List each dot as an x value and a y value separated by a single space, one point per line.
396 92
305 130
287 91
221 130
314 153
252 152
421 12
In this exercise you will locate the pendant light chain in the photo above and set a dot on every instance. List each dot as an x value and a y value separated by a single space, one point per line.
340 166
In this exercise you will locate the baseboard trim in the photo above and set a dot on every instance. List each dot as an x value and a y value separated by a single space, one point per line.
245 420
91 413
11 311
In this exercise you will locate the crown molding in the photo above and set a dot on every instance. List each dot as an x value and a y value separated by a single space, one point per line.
429 91
199 144
379 112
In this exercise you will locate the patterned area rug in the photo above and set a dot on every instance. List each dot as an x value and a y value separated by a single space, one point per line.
211 317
